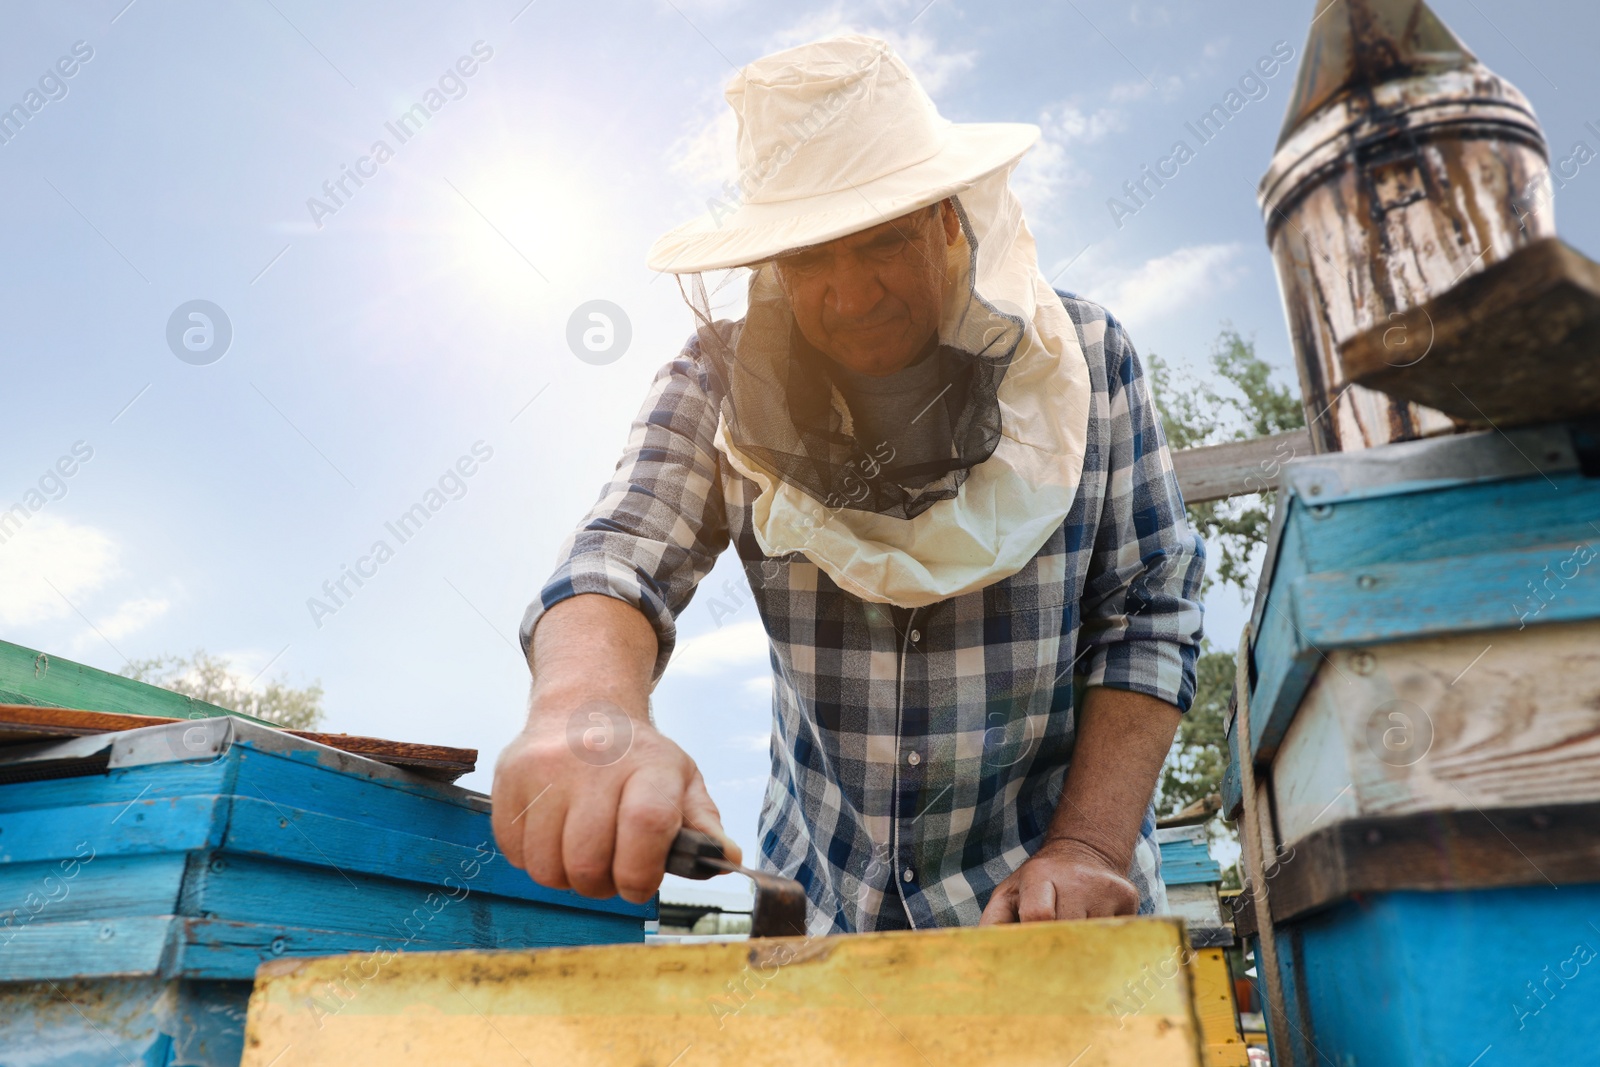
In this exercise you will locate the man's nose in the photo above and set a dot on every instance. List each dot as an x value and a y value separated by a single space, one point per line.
854 291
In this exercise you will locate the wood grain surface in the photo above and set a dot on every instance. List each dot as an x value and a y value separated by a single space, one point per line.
1542 846
20 723
1497 719
1089 993
1515 344
1215 472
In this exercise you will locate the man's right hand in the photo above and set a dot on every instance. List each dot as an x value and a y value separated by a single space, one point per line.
573 818
590 795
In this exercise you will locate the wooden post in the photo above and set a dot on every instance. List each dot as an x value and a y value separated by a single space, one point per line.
1403 166
1255 839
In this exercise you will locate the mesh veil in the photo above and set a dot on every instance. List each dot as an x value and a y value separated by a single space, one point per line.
783 413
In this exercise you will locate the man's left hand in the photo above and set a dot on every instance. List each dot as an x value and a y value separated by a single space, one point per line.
1065 879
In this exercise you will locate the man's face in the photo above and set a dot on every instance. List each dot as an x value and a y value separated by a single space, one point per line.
872 300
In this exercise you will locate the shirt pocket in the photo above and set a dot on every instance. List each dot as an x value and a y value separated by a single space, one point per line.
1011 659
1023 619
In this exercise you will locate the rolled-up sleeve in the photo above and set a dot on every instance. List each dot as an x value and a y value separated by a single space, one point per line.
660 522
1141 612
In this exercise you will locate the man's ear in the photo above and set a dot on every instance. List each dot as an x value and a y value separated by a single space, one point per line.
952 222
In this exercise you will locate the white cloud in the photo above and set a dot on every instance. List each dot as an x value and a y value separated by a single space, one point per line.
1051 165
1040 176
1067 122
248 664
752 742
132 616
48 551
705 155
760 685
1166 284
1126 92
1152 15
749 782
742 644
701 7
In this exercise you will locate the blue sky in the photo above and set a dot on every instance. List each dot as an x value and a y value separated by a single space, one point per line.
380 339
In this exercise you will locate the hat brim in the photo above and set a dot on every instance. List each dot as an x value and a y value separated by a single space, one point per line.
753 233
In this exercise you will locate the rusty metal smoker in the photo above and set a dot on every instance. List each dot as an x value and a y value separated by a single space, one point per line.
1404 165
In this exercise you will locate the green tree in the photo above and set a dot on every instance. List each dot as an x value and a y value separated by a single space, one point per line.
1194 414
1199 754
1241 402
203 676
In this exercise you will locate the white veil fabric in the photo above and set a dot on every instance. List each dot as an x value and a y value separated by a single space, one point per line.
986 522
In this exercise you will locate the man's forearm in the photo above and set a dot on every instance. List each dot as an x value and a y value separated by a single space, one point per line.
593 647
1122 740
583 798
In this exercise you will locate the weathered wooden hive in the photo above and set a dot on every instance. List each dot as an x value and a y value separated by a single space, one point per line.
1404 165
1423 714
1096 993
1192 879
1101 992
1416 732
146 873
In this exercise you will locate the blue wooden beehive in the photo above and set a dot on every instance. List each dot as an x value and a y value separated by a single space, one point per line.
1192 878
1424 710
144 875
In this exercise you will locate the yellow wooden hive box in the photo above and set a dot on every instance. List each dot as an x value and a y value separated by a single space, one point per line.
1084 994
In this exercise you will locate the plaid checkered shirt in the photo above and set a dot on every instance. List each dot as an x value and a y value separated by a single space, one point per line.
917 754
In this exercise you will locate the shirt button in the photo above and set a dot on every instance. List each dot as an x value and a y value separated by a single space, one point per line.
913 758
907 875
916 635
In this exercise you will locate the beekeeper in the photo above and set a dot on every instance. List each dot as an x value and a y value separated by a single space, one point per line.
958 516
